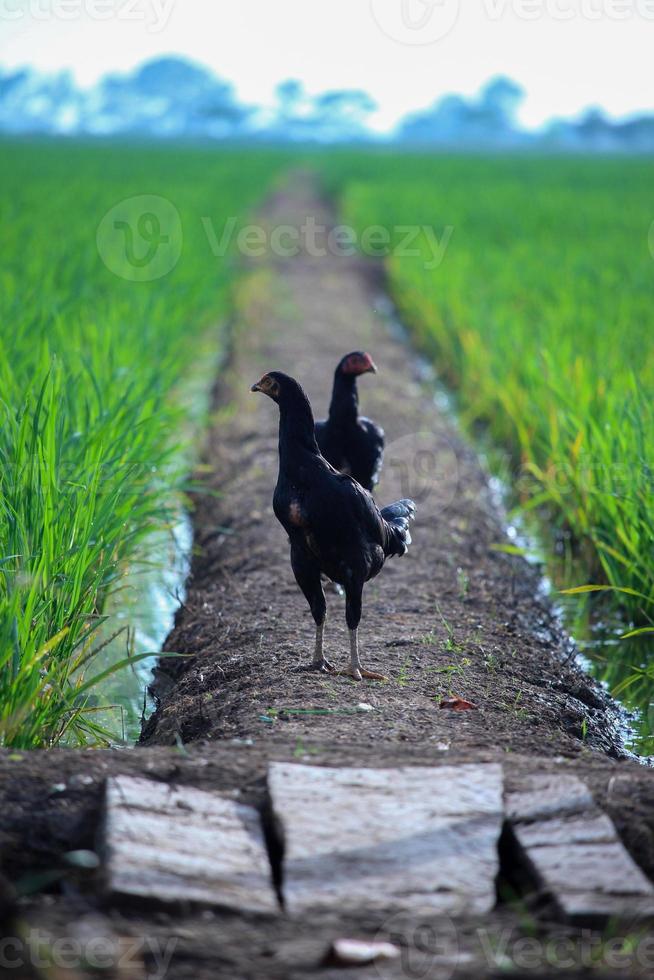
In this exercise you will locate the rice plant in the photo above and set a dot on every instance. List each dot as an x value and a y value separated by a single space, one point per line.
89 422
540 316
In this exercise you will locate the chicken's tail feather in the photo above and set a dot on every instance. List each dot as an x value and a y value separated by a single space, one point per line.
396 518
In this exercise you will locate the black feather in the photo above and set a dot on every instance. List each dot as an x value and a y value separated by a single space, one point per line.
350 442
333 523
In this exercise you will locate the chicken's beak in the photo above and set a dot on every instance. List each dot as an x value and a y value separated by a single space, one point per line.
371 369
256 387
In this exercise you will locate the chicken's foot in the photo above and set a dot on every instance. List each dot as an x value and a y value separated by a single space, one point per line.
355 669
319 662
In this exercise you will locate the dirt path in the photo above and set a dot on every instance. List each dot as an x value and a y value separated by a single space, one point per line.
453 617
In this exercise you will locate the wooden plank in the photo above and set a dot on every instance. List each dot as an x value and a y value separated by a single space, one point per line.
606 868
177 843
408 838
549 795
591 829
575 852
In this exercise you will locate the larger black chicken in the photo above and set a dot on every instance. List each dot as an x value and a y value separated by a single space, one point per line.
333 524
349 441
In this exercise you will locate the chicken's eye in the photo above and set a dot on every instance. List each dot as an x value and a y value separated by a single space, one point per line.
269 386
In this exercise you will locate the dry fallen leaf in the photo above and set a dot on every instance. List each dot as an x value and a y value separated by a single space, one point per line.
457 704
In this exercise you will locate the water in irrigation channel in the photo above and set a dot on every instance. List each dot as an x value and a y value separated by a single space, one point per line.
141 612
594 626
139 617
625 668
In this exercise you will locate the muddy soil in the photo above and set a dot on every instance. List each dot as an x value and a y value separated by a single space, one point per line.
456 617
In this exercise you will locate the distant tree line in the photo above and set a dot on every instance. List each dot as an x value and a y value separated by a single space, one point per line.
173 97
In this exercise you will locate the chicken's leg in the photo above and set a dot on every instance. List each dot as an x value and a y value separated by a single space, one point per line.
355 669
319 662
307 575
353 617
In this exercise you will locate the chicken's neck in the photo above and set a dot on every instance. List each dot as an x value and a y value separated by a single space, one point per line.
297 439
344 406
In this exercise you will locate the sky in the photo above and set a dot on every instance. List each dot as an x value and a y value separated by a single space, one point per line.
567 54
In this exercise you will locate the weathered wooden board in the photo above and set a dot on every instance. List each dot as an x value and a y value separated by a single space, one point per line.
590 829
176 843
408 838
575 851
549 795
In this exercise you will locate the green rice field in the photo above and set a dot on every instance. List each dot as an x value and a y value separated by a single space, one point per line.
539 313
111 294
528 283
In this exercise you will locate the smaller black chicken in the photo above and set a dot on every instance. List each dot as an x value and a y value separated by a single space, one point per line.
351 443
333 524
